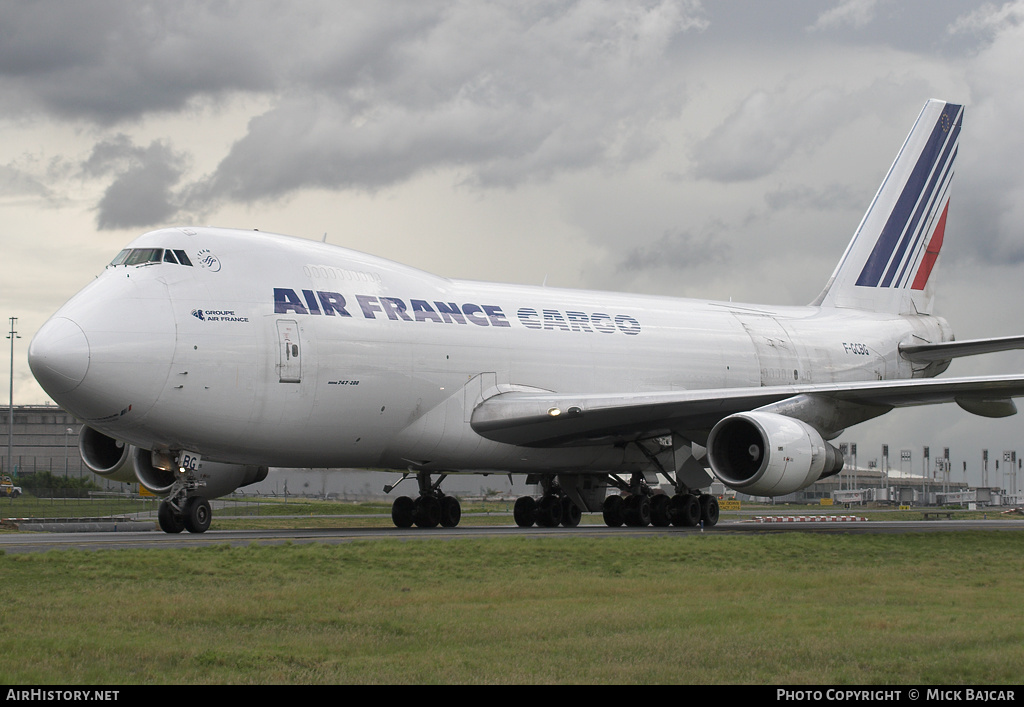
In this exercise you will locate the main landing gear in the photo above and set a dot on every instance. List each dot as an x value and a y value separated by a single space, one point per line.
660 510
637 505
553 509
428 510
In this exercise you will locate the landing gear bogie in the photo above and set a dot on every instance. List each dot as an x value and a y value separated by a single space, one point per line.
550 511
430 509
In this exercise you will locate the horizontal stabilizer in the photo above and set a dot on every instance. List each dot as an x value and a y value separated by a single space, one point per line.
945 350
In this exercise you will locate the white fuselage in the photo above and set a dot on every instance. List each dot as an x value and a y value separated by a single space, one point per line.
286 352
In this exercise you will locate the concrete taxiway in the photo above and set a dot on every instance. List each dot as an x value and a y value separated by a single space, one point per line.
19 542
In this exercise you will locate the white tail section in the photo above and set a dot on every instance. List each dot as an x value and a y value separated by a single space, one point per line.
888 263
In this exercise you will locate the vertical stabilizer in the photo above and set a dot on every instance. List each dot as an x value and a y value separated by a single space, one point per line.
888 263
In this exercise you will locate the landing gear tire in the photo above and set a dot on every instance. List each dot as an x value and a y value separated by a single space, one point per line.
613 511
402 512
660 516
198 515
637 511
524 512
549 512
709 510
426 512
169 520
685 510
571 513
451 512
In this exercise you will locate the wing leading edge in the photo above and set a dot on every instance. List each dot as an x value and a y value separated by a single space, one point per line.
536 419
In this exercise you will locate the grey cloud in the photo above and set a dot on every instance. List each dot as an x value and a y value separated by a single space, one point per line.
502 93
111 61
677 250
142 191
827 197
755 140
15 182
855 13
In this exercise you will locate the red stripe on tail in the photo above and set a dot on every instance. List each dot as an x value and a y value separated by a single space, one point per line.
932 252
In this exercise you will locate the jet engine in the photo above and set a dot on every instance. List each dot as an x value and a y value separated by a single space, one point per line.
157 471
766 454
105 456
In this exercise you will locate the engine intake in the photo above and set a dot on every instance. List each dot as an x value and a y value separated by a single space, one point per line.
105 456
766 454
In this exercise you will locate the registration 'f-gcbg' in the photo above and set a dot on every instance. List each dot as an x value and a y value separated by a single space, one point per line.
200 357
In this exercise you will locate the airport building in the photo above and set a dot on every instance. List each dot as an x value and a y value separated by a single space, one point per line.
43 438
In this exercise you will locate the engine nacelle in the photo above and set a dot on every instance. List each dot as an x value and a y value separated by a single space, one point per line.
157 471
766 454
105 456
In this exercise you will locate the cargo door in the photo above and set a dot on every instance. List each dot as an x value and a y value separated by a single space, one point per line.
776 355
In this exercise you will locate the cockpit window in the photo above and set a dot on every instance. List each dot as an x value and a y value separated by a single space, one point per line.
145 256
139 256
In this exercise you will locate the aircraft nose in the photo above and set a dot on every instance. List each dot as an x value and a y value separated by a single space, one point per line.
59 356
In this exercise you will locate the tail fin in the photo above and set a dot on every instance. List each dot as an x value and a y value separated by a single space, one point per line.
887 264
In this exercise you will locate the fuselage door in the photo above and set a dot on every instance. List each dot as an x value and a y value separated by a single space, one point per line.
289 350
776 354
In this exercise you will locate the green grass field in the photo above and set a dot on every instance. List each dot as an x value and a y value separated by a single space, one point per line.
794 608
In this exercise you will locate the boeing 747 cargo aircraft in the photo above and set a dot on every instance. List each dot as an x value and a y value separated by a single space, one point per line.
201 356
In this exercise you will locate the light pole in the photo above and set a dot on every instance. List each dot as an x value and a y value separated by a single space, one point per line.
10 405
67 431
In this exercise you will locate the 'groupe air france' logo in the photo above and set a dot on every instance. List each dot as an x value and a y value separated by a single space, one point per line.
219 315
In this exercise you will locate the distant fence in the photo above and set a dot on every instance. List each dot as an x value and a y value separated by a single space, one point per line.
81 503
89 503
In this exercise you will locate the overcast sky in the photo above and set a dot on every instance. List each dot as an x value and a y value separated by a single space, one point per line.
705 149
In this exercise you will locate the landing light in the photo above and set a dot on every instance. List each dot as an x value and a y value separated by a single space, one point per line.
554 412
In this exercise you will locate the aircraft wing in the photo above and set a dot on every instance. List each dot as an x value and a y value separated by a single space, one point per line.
542 419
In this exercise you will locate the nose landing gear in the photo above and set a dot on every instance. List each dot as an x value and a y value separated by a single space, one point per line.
184 509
